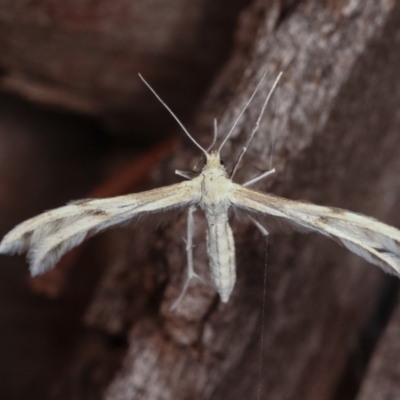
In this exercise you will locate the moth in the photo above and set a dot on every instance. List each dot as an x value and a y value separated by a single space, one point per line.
48 236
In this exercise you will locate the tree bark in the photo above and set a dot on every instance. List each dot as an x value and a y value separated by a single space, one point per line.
381 380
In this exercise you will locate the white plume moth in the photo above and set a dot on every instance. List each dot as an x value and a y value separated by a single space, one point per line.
50 235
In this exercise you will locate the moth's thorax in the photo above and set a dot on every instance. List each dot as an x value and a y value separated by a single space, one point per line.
215 187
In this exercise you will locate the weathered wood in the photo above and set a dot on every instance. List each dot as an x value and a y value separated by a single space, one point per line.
382 378
335 125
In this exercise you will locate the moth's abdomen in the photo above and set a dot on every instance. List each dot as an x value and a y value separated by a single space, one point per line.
221 251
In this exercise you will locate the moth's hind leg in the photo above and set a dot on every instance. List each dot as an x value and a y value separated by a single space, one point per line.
189 251
259 226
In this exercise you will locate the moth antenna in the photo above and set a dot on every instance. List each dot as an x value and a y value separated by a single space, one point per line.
215 135
241 113
196 167
176 118
256 126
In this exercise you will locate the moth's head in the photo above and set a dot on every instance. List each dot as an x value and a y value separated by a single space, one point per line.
213 160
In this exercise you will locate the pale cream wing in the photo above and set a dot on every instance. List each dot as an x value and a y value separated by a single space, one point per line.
375 241
48 236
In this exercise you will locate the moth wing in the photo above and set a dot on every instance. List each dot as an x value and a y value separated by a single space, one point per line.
48 236
372 240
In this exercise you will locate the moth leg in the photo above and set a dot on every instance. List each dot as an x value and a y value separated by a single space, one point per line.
189 251
263 231
184 174
258 178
